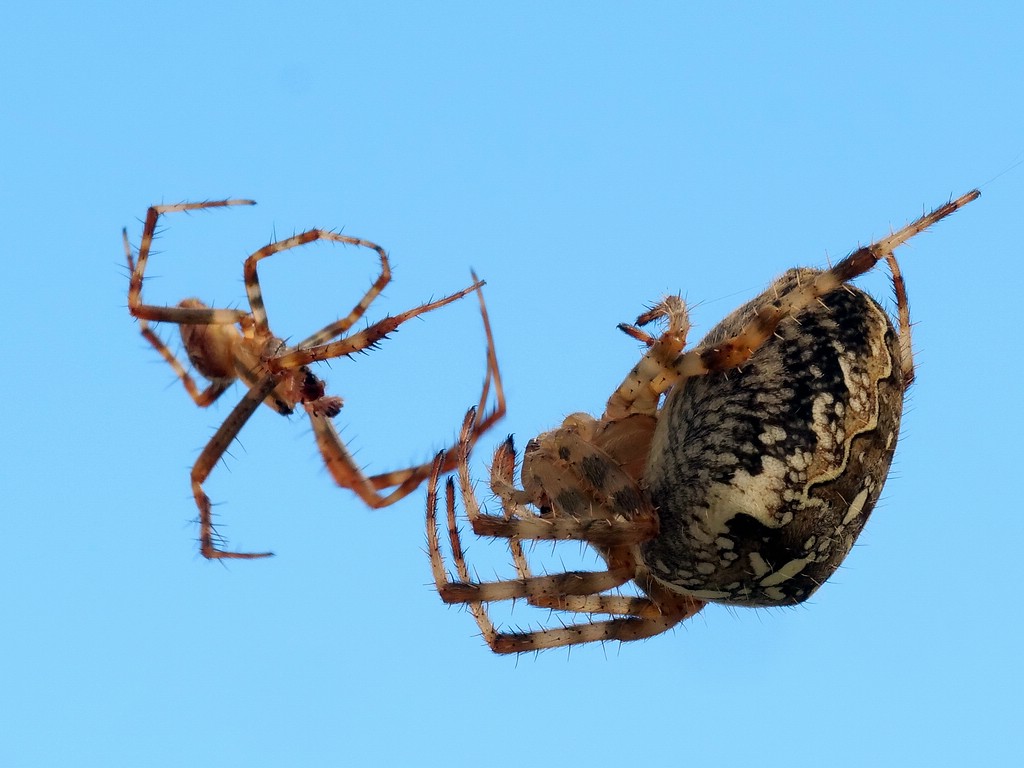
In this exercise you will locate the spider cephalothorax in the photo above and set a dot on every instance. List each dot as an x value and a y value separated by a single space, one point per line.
740 471
225 345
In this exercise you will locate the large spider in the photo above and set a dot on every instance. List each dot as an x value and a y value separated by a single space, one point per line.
228 344
747 486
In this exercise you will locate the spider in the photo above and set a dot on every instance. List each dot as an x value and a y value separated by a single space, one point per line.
740 471
228 344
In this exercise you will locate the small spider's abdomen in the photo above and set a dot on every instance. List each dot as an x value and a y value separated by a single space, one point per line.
210 348
764 477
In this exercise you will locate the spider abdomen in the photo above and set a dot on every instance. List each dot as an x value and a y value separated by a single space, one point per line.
764 477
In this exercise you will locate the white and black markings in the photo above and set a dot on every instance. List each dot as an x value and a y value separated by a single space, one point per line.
764 476
740 471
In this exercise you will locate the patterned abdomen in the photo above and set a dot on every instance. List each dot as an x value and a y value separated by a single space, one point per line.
764 477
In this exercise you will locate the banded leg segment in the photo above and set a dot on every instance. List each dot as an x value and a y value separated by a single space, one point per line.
255 294
899 288
402 482
156 313
208 460
574 592
216 388
365 339
648 380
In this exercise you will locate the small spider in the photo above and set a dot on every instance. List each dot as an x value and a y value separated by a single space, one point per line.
228 344
746 485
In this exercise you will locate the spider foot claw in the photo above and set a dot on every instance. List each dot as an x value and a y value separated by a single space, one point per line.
212 553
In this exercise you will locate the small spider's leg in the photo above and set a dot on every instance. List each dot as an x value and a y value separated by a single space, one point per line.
339 327
201 398
903 315
252 280
208 460
485 420
255 294
347 474
137 269
367 338
477 420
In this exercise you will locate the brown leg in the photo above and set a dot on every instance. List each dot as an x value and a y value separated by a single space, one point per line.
903 316
178 315
208 460
347 473
255 294
362 340
648 380
575 592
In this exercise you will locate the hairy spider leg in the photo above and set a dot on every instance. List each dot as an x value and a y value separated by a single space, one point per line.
642 388
347 473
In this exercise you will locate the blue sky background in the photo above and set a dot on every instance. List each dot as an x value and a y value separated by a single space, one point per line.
585 159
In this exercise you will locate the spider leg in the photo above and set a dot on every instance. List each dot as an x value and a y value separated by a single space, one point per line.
661 618
208 459
255 294
339 327
576 592
503 469
492 376
634 395
571 592
367 338
648 380
734 351
899 287
467 591
347 473
156 313
502 473
201 398
519 522
475 593
594 500
642 617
